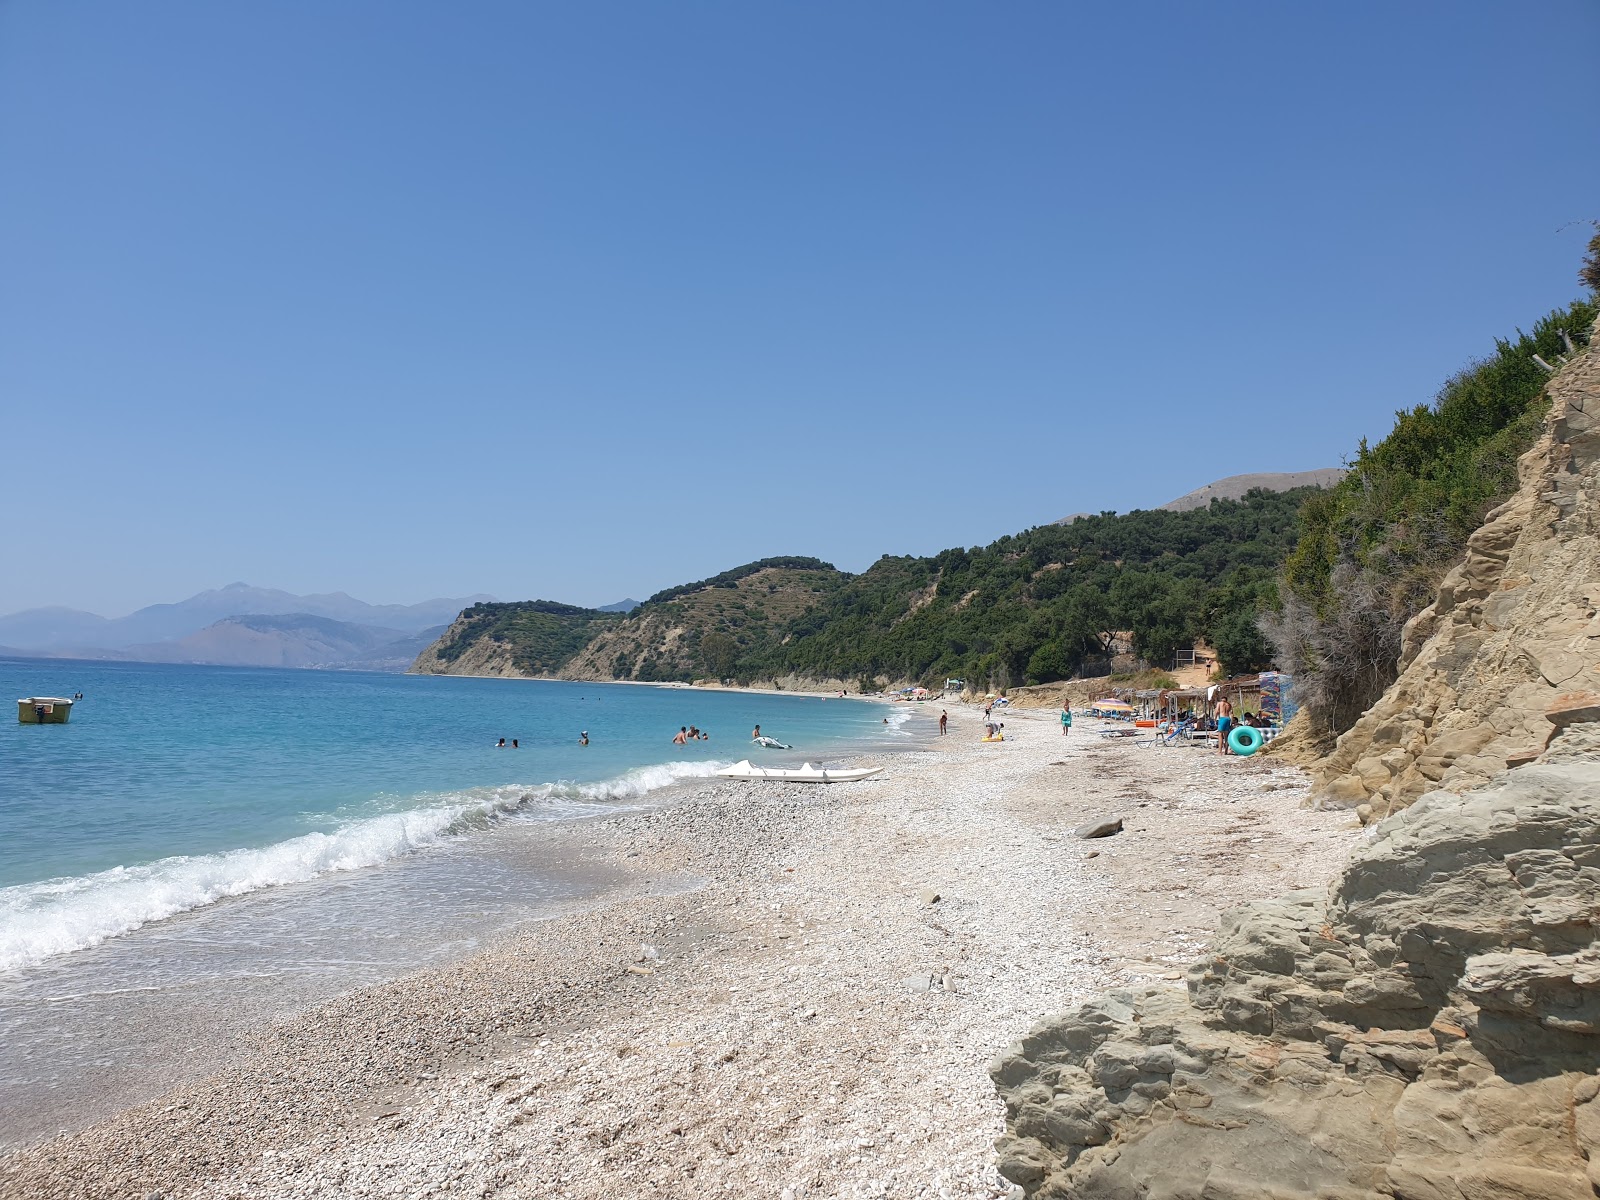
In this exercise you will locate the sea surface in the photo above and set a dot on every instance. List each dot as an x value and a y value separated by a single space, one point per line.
201 849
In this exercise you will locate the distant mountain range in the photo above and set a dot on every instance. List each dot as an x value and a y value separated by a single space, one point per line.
241 625
1234 487
292 640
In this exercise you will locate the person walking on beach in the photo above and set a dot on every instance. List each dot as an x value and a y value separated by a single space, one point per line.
1224 723
944 719
1066 719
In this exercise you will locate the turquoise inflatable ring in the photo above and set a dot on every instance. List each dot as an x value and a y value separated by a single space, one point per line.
1244 741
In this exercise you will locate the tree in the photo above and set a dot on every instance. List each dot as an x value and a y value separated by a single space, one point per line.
720 653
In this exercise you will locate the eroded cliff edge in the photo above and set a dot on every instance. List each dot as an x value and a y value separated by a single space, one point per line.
1513 633
1428 1030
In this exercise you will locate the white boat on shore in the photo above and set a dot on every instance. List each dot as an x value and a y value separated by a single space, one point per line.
803 774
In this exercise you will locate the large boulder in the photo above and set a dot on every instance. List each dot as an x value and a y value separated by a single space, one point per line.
1429 1029
1514 630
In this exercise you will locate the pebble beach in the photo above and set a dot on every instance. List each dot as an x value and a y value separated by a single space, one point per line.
794 991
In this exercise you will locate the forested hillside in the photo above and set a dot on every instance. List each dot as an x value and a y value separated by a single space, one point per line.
709 628
527 637
1036 607
1331 575
1041 605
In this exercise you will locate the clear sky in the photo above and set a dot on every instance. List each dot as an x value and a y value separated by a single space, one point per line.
579 301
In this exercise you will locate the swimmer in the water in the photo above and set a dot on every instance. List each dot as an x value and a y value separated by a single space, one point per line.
583 738
500 745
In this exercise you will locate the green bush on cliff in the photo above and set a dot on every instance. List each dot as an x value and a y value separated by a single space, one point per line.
1372 550
1042 605
542 634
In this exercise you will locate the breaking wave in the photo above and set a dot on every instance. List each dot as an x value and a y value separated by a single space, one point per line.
39 921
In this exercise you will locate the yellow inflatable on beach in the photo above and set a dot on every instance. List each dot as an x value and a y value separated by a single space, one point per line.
999 737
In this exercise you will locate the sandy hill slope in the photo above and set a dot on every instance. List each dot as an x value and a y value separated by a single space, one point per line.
662 639
523 638
1234 487
1513 631
659 640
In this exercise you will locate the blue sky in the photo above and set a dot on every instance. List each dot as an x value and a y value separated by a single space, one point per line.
581 301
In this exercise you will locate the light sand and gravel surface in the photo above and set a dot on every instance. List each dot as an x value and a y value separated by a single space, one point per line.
775 1005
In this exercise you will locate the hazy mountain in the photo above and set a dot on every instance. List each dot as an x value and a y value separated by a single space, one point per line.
289 640
59 629
50 628
1235 486
619 606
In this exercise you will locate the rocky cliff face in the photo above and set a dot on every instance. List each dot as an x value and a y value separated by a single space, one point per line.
1514 629
1429 1030
482 657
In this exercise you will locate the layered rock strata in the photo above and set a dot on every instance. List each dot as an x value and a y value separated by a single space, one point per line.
1514 628
1429 1030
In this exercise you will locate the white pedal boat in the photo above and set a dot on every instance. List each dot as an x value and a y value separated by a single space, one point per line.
804 774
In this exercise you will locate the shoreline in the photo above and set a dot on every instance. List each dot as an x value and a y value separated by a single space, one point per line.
671 684
776 1002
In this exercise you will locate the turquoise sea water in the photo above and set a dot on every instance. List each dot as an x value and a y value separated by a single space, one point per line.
173 787
201 850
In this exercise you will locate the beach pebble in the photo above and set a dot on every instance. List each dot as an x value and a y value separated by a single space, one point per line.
771 1062
1100 829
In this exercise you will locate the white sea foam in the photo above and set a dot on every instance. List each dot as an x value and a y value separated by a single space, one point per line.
41 920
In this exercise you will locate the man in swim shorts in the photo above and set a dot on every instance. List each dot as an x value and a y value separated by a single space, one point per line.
1224 723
